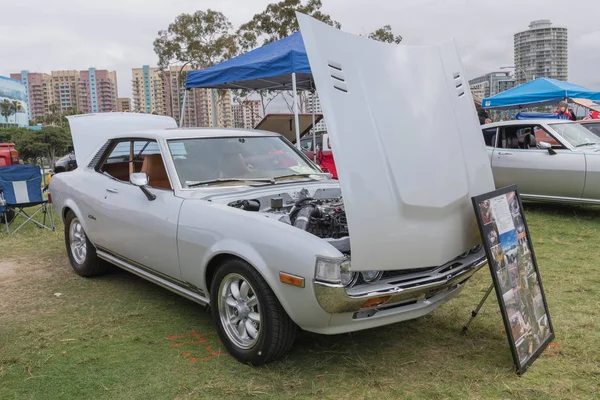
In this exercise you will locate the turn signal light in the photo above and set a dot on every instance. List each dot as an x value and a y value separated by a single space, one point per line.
376 301
291 279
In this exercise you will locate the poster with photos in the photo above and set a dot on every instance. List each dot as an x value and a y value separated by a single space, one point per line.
515 274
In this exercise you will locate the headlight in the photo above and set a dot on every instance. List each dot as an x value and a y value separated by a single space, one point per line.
371 276
335 271
328 270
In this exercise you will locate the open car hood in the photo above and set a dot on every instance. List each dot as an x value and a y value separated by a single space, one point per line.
90 131
407 145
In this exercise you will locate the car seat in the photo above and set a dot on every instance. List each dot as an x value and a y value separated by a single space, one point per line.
154 167
529 141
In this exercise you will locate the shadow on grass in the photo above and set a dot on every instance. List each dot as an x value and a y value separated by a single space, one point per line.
563 210
433 342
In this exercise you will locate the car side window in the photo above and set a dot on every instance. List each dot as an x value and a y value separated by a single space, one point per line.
489 136
129 156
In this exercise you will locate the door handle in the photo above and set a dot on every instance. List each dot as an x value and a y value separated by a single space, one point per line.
112 190
502 153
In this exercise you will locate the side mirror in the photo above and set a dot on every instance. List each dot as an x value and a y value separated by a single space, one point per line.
140 179
547 146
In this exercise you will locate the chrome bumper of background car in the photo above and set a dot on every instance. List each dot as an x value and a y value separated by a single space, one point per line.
401 289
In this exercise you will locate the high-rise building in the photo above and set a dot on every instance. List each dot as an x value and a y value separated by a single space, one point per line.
89 91
541 52
313 98
148 90
491 84
123 104
163 92
247 114
38 89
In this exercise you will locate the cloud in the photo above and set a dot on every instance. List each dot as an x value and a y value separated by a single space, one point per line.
42 35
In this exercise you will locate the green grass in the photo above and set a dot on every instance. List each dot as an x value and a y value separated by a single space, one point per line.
107 337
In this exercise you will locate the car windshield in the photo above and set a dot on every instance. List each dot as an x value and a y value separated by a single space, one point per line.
576 134
594 127
239 161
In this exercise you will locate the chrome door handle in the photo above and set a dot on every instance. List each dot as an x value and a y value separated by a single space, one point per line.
112 190
504 154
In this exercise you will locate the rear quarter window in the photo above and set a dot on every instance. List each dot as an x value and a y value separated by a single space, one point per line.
489 136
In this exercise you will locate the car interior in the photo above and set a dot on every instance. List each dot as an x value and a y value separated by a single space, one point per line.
146 158
519 137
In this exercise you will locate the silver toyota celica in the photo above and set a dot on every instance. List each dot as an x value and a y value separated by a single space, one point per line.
549 160
243 221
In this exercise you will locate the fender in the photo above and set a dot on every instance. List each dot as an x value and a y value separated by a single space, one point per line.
249 254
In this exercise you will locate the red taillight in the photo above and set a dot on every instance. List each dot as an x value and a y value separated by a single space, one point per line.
14 156
49 198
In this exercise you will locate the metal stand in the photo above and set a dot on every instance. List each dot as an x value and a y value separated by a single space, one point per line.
476 311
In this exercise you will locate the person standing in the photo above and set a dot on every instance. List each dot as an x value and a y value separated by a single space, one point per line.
564 112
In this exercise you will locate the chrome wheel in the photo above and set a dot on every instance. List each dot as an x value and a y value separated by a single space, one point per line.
77 241
239 311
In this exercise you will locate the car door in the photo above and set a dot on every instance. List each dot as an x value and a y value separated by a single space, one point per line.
536 171
131 226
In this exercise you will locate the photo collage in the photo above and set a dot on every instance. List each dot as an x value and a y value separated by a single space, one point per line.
512 264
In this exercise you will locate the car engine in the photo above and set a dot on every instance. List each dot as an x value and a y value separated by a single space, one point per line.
322 217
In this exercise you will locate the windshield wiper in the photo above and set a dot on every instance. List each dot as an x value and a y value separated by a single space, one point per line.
301 175
587 144
220 180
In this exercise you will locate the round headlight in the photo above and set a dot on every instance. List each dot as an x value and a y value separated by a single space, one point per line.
348 277
371 276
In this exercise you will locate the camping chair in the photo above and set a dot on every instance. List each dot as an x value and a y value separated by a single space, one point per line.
21 187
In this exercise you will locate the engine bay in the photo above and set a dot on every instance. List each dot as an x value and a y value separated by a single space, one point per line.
320 215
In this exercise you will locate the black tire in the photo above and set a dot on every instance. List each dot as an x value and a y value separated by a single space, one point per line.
10 215
277 330
91 265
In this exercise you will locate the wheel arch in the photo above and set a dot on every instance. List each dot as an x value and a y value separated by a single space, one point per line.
252 258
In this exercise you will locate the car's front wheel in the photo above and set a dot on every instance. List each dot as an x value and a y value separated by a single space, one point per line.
250 321
81 251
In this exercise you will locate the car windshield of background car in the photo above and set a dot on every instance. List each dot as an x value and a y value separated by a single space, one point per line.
595 127
576 134
238 160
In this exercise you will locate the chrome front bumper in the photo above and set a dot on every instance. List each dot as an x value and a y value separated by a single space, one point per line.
401 289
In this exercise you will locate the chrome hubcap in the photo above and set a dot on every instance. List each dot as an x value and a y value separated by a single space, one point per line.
239 311
78 241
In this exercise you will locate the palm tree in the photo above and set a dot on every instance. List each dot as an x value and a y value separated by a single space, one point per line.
17 107
6 109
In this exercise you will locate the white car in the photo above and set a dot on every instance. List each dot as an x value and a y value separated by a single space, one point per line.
243 221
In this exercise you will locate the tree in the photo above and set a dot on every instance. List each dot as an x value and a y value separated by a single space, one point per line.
201 39
6 109
33 146
277 21
385 34
16 106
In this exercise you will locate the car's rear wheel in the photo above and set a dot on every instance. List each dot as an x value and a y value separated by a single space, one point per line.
81 251
250 321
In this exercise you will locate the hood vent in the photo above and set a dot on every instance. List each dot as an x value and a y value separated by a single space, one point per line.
337 75
458 81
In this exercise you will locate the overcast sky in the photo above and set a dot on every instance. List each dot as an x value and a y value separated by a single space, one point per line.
45 35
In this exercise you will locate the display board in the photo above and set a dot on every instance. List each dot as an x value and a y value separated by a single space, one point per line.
515 274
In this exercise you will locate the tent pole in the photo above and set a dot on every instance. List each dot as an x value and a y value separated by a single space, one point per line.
314 146
296 121
183 108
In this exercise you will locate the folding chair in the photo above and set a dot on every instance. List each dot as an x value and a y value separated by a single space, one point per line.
21 187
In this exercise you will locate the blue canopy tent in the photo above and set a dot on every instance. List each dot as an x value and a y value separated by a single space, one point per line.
538 92
280 65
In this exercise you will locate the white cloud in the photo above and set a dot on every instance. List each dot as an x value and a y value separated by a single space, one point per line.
45 35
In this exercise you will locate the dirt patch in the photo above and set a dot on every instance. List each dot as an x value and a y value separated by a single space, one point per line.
8 271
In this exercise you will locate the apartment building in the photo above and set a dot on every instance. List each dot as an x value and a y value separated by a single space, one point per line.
163 92
247 114
123 104
541 52
89 91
